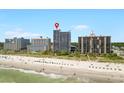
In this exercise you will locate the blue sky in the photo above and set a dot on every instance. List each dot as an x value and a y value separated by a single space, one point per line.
35 23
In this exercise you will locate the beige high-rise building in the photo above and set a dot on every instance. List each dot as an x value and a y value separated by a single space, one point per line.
95 44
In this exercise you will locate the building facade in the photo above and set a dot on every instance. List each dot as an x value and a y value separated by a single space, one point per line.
16 44
40 44
61 40
95 44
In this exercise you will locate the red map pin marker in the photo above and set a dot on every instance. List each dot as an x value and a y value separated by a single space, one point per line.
56 25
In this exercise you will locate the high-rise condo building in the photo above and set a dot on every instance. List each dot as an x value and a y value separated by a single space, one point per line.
16 44
61 40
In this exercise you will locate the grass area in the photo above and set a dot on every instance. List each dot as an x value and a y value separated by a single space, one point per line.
83 57
15 76
118 44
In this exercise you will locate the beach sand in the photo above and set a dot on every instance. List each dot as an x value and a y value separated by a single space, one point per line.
76 70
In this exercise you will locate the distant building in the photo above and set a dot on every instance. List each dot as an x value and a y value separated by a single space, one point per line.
16 44
51 46
40 44
73 48
95 44
61 40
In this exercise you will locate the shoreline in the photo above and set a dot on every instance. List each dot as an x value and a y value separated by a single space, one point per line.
52 75
77 70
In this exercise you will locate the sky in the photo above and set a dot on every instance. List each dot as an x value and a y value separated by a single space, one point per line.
66 4
33 23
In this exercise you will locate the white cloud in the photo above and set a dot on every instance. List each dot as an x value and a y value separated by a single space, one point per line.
8 25
80 28
18 32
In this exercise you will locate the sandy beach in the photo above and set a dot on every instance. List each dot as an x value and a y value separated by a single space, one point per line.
90 71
